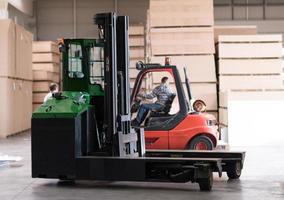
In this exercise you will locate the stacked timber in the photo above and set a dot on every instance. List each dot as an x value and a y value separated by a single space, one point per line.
248 63
46 69
15 78
233 30
137 51
183 31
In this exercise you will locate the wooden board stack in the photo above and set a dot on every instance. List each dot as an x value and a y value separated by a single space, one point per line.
233 30
248 63
183 31
15 78
137 50
46 69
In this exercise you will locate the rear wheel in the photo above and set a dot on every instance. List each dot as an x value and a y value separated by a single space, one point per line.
201 142
234 170
205 184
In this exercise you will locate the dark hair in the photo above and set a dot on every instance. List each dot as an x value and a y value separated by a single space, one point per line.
52 87
164 79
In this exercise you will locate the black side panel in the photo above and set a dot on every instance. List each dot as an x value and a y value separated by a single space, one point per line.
90 168
55 145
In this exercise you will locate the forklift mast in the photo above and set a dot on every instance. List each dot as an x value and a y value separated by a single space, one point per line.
117 127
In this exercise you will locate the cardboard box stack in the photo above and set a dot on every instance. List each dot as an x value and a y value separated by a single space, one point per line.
46 69
15 78
248 63
183 31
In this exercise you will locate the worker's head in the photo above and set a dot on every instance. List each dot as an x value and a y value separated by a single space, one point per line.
53 87
164 80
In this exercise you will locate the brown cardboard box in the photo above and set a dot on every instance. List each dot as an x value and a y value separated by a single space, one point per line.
250 66
233 30
136 41
200 68
38 97
137 53
175 41
45 47
46 58
41 86
7 89
50 67
27 108
15 106
35 106
181 13
45 76
7 48
23 53
136 30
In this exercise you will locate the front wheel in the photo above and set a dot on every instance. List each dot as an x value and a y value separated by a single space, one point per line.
234 170
205 184
201 142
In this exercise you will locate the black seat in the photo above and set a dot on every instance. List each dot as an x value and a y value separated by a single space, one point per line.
164 111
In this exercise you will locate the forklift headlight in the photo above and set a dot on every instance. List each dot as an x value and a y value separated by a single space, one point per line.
199 106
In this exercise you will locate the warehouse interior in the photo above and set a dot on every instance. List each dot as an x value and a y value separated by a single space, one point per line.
228 71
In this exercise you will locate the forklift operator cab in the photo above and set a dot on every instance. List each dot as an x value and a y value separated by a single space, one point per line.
147 95
179 125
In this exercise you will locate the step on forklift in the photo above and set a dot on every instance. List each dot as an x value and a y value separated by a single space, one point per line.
85 133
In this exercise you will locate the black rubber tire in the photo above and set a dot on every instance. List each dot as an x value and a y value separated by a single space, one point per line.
205 184
234 170
201 138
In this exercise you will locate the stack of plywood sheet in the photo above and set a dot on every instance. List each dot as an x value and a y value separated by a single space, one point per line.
233 30
248 63
46 69
15 78
183 31
137 51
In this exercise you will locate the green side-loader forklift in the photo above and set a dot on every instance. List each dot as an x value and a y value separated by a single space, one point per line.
84 132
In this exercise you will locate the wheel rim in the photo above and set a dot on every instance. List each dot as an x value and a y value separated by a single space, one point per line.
201 146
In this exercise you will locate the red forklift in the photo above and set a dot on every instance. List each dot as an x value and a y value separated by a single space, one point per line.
188 128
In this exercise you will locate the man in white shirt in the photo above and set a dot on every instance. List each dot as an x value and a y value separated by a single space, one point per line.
53 88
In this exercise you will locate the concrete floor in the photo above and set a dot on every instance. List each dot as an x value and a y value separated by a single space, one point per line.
263 178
